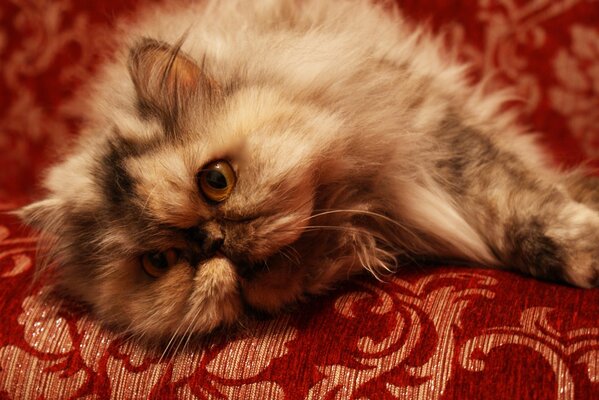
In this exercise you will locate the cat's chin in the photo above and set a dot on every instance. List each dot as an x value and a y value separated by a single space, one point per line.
269 288
215 300
265 285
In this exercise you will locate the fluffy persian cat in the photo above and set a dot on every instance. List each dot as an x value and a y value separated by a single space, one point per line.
239 155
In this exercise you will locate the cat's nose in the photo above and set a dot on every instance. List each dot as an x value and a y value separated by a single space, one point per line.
211 237
212 245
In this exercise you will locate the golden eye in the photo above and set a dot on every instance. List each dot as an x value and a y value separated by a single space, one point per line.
216 181
157 264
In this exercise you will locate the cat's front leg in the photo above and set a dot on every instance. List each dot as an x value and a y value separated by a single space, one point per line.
536 228
508 212
558 244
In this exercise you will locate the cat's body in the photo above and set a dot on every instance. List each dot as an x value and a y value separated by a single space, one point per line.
248 153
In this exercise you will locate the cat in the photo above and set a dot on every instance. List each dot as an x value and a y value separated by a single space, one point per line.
243 155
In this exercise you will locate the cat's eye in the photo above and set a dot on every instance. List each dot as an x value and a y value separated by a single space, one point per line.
216 181
158 263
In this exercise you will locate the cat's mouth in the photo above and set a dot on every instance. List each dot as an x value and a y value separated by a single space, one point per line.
246 269
249 270
266 282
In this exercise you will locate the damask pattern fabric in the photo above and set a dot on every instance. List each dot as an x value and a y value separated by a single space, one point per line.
425 333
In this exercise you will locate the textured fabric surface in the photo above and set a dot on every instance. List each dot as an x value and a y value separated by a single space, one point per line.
426 333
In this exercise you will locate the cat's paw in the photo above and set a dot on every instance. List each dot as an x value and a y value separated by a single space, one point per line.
577 235
583 270
563 248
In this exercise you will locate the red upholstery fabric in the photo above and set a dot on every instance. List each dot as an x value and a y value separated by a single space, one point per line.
426 333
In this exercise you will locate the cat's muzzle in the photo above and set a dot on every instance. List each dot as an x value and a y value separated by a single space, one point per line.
207 239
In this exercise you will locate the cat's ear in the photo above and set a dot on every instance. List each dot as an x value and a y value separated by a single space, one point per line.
164 77
42 215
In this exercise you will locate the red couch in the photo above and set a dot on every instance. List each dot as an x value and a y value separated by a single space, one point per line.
427 333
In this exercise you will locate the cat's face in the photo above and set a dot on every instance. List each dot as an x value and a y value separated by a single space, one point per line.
177 222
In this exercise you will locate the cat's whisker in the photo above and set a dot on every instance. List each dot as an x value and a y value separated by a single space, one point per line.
405 229
360 212
128 331
170 342
282 253
189 330
292 253
189 335
180 339
348 229
164 352
287 256
148 197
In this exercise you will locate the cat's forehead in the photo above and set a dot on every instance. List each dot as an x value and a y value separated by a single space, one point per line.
164 186
269 129
269 141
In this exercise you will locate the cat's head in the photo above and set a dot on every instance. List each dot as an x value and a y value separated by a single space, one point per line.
190 202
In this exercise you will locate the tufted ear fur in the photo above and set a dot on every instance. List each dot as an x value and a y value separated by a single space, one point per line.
165 79
42 215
